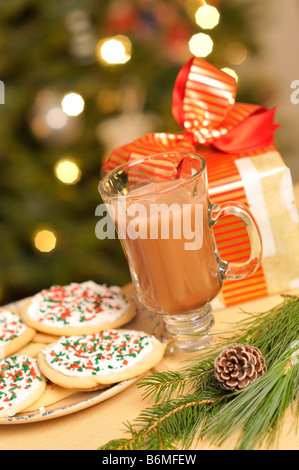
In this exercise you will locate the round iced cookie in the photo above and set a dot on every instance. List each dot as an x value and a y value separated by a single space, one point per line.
44 338
78 309
14 333
21 384
105 357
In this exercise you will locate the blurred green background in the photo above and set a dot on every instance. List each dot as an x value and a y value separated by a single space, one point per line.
50 159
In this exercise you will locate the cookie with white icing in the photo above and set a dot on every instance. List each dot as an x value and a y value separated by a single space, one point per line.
14 333
105 357
78 309
21 384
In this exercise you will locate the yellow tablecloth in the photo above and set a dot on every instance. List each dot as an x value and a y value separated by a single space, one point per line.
95 426
90 428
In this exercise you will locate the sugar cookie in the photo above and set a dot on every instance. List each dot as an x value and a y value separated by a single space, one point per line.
14 334
44 338
52 394
78 309
31 349
21 384
105 357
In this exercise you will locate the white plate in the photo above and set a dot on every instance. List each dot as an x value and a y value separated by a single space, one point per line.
77 402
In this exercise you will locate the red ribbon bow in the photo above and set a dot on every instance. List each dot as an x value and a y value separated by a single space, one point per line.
204 105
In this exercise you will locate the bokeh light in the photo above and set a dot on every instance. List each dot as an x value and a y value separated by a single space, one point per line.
235 53
56 118
67 171
231 72
115 50
201 45
72 104
207 17
108 99
45 241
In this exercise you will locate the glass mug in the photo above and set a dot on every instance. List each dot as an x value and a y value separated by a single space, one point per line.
164 219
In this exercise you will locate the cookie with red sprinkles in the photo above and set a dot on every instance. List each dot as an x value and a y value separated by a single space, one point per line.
78 309
105 357
14 333
21 384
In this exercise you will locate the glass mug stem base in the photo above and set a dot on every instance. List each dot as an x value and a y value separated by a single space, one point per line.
191 331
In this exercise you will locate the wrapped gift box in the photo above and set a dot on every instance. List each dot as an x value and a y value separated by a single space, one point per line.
263 183
244 165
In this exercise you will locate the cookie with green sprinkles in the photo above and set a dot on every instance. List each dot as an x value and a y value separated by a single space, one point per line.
78 309
21 384
105 357
14 333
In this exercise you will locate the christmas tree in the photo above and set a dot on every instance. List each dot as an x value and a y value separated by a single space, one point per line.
81 78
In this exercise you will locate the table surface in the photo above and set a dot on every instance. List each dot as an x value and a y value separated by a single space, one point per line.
90 428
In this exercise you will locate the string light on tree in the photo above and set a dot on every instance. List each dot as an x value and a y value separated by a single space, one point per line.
230 72
72 104
207 17
116 50
45 241
201 45
235 53
108 98
56 118
67 171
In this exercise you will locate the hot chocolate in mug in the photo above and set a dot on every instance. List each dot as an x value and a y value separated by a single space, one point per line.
161 208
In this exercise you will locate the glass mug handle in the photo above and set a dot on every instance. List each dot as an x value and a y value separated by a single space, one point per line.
239 270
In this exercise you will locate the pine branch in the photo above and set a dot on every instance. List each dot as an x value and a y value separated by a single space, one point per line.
162 385
209 412
166 423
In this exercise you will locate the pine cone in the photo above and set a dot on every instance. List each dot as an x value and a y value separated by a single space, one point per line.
238 366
